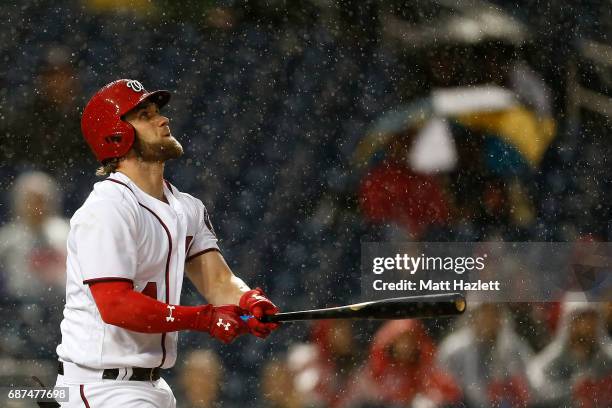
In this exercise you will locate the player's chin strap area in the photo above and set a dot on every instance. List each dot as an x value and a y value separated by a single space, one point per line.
71 370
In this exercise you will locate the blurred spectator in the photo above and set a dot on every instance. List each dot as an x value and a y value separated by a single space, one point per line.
575 370
221 18
33 244
201 380
32 269
391 192
324 367
471 147
402 371
535 322
488 359
135 7
277 387
607 314
50 122
462 154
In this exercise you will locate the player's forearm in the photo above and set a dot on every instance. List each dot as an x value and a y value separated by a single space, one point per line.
222 288
214 279
121 306
227 291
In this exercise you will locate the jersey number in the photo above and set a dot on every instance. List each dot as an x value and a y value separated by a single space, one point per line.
150 290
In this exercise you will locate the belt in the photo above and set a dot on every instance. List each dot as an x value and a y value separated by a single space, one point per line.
125 374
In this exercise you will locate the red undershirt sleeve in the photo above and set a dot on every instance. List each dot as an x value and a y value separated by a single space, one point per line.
121 306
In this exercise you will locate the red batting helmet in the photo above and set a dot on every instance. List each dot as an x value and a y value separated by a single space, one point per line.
105 131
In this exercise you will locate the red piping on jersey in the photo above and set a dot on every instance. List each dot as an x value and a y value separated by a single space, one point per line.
122 183
163 343
108 279
167 276
201 253
188 241
82 389
169 249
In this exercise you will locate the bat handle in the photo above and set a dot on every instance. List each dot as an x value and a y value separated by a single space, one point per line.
264 318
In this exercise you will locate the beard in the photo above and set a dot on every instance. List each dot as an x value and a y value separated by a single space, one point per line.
164 150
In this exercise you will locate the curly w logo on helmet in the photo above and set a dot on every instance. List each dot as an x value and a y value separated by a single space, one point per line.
135 85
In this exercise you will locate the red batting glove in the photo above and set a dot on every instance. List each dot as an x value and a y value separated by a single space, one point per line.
222 322
257 304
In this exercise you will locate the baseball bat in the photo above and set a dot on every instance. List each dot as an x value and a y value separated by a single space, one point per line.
411 307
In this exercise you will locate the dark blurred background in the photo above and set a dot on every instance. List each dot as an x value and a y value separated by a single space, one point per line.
310 127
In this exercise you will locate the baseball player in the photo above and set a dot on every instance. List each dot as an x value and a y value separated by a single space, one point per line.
129 246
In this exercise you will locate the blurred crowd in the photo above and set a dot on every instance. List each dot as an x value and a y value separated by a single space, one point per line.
310 127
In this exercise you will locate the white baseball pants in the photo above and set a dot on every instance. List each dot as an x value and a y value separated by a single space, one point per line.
116 393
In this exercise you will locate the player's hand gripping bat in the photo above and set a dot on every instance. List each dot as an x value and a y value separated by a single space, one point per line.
411 307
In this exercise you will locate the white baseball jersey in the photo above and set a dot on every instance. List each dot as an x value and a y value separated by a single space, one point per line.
122 233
